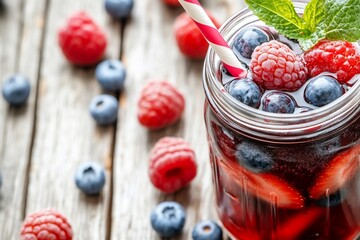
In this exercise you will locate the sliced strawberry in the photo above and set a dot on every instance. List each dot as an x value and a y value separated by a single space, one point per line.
263 185
340 169
298 223
354 235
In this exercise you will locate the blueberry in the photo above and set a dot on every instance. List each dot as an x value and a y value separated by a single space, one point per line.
111 75
322 90
207 230
278 102
104 108
16 89
119 8
253 157
247 40
245 91
168 218
333 200
90 178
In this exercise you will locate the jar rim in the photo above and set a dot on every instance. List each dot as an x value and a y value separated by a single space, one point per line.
273 126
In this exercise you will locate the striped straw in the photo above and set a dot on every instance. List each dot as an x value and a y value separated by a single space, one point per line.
213 36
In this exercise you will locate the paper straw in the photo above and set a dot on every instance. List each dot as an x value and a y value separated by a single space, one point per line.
214 38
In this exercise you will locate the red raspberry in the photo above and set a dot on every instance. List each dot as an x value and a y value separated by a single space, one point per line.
189 38
275 66
160 105
172 3
46 225
172 164
81 40
339 57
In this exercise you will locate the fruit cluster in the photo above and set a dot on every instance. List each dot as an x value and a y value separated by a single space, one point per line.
284 81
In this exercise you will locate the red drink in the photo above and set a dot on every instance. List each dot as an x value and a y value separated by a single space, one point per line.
308 185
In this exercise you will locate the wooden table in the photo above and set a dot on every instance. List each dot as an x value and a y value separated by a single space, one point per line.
42 143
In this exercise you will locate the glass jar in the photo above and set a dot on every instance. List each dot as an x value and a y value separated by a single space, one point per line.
282 176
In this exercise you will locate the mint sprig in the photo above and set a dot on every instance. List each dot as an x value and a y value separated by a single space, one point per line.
281 14
331 19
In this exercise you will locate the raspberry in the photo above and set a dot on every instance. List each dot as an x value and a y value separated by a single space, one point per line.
172 3
189 38
47 224
339 57
81 40
275 66
172 164
160 105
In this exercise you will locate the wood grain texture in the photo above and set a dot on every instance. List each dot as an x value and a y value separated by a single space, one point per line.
20 52
150 52
66 135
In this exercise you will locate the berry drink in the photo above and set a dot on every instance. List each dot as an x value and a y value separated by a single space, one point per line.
285 141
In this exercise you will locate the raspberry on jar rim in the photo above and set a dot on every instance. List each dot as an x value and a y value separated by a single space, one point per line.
275 66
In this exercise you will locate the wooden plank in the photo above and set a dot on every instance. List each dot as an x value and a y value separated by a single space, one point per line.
10 23
66 135
150 52
19 51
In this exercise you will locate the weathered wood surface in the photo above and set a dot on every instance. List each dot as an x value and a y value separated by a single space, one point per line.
21 32
42 143
65 134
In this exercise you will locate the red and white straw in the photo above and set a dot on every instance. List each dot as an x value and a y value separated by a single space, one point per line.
214 38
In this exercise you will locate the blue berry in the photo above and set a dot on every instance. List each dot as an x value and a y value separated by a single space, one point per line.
16 89
245 91
207 230
90 178
322 90
331 201
278 102
253 157
168 219
247 40
111 75
119 8
104 108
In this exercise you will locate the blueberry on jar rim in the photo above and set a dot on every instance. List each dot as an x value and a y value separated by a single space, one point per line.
248 39
245 91
278 102
322 90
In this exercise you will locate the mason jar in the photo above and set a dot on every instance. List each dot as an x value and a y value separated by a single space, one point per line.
309 184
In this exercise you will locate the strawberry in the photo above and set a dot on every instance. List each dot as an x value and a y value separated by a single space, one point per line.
263 185
340 169
189 38
354 235
293 227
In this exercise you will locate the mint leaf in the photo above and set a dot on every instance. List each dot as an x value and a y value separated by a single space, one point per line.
281 15
307 43
342 20
314 13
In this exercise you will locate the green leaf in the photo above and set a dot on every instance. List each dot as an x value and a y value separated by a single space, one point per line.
281 15
307 43
342 20
314 13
